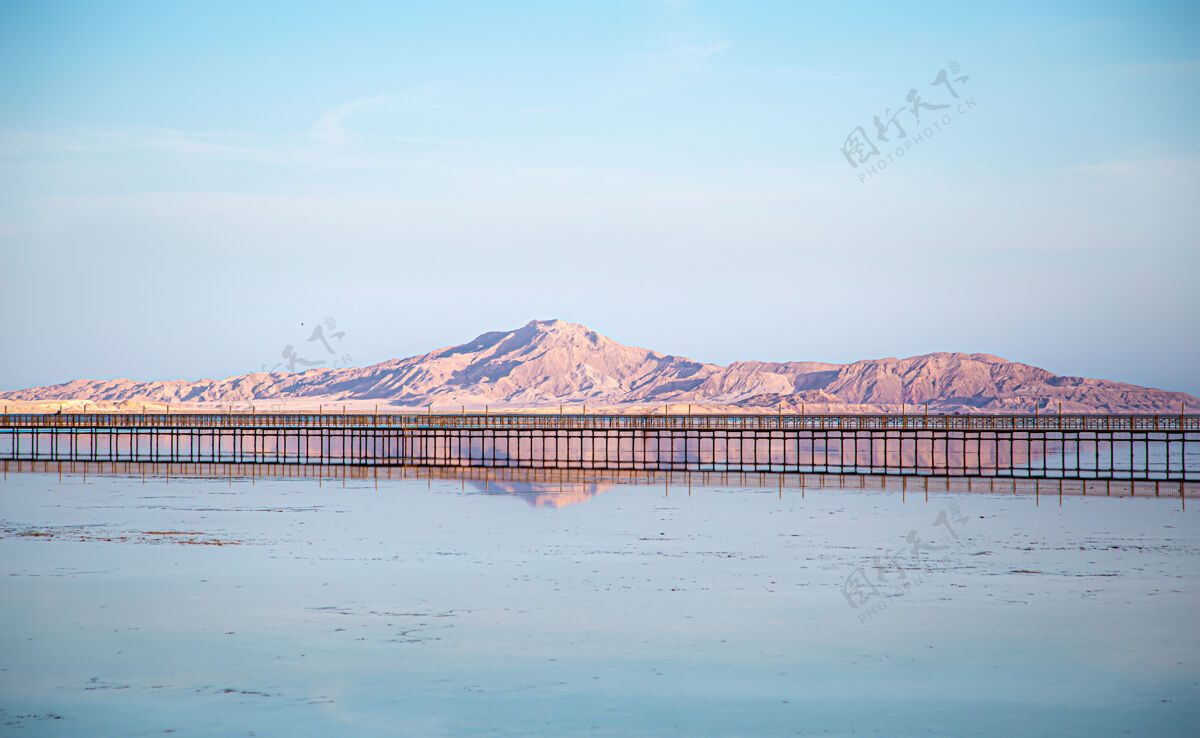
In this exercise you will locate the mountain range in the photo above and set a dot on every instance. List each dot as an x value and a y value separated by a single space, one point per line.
547 363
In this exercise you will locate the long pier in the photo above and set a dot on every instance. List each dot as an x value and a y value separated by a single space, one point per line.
1100 447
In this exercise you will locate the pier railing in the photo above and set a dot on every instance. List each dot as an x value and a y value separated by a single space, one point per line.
556 421
1127 447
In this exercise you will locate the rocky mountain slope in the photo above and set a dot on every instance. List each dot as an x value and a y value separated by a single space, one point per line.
547 363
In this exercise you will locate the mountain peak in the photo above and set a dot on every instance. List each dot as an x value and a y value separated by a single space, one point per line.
561 332
560 327
548 362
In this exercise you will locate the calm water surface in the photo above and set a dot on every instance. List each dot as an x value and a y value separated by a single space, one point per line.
431 608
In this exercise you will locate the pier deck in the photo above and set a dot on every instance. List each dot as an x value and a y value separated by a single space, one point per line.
1113 447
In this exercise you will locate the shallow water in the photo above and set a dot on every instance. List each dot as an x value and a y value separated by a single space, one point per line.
436 607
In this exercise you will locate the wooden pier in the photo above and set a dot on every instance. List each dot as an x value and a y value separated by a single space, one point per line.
1084 447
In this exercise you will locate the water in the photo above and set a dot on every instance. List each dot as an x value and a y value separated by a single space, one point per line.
439 607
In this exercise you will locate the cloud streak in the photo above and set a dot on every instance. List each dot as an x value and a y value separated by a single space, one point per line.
334 127
704 52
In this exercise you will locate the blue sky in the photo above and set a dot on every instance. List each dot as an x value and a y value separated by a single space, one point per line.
183 184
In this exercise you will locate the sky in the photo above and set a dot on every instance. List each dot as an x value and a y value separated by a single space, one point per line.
186 188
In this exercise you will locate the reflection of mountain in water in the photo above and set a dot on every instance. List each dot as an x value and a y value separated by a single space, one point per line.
541 494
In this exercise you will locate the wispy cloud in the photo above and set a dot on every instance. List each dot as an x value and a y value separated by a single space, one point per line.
686 59
703 52
333 128
32 143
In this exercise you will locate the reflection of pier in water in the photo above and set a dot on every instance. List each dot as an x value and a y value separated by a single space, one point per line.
1097 447
562 487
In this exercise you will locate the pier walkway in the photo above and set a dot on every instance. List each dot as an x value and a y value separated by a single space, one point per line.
1103 447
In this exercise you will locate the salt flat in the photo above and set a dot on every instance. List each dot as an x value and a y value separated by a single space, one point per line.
439 607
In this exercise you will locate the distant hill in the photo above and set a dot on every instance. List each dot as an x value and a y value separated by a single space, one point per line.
550 362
